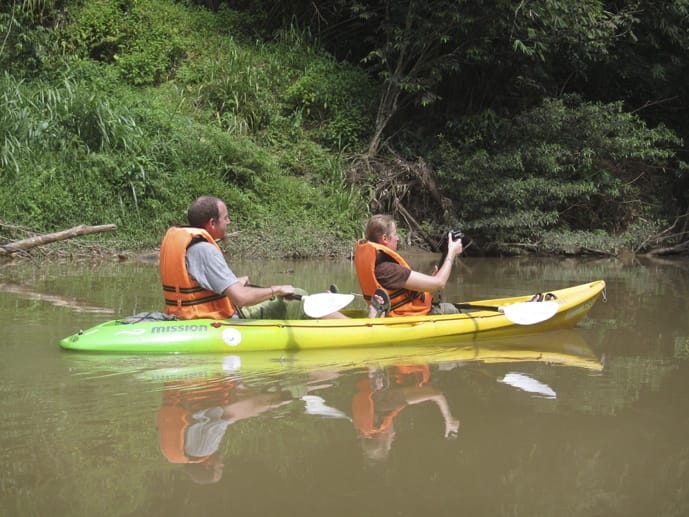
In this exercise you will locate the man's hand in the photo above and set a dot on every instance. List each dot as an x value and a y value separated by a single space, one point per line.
283 290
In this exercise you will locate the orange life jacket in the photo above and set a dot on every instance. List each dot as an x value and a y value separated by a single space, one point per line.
403 302
184 297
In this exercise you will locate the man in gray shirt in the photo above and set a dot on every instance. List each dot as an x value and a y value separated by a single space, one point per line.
206 265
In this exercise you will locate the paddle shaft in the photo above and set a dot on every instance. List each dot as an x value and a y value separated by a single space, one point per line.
521 313
493 308
295 296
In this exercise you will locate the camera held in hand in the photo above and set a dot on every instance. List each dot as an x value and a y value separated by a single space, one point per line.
456 234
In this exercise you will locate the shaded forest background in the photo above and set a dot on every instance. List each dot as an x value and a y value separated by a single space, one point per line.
535 126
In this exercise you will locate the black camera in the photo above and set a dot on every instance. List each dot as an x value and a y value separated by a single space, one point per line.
456 234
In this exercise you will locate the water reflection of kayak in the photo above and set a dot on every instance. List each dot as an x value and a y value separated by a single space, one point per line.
560 347
503 317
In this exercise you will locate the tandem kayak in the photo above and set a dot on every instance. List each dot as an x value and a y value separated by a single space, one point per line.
500 317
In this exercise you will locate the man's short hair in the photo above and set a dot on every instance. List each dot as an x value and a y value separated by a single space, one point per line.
202 210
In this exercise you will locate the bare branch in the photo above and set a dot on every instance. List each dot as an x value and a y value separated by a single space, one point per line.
39 240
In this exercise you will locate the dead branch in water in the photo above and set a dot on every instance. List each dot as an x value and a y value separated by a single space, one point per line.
39 240
678 235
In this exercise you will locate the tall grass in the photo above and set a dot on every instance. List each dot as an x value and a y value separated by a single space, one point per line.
92 137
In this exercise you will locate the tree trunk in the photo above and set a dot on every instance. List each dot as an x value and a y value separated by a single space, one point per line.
386 109
39 240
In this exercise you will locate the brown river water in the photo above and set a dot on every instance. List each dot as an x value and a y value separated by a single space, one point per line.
592 421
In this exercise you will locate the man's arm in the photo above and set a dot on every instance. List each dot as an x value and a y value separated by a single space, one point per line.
243 295
207 265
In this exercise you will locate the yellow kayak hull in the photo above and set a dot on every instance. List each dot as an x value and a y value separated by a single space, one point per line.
237 335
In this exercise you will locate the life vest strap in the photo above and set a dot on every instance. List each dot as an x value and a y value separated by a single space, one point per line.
198 301
183 290
412 295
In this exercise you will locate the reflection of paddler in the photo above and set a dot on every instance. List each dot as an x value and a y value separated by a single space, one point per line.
383 394
193 419
194 416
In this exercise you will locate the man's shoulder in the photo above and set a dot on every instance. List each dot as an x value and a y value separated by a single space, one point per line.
202 248
202 243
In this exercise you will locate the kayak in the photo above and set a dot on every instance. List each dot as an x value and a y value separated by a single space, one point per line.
490 318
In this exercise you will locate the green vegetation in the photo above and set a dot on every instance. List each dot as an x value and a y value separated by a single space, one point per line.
116 140
558 168
530 128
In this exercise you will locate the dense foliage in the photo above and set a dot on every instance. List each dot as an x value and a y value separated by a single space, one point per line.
137 107
558 168
544 125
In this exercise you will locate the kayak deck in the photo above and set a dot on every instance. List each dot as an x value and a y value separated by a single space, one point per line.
194 336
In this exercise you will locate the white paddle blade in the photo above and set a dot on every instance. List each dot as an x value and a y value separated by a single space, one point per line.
526 383
322 304
529 313
316 405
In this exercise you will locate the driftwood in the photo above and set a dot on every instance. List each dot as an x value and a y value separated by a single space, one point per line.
39 240
678 249
677 231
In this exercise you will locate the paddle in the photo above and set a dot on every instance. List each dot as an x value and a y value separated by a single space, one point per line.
521 313
380 300
321 304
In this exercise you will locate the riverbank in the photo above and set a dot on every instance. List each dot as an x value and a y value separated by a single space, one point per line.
104 247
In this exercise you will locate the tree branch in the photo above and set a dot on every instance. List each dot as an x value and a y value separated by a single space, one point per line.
39 240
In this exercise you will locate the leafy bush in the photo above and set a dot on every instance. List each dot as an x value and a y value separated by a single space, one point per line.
145 40
335 100
25 37
576 165
227 82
